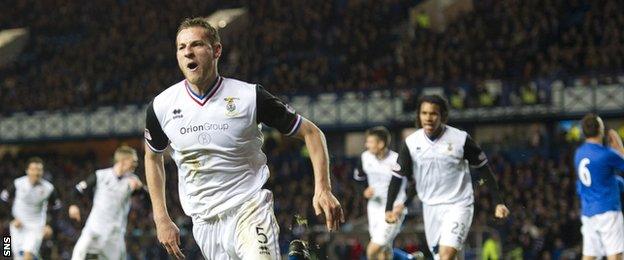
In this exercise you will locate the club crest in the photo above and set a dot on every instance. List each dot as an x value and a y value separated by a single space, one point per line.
230 106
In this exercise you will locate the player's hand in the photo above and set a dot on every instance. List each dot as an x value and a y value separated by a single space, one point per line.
74 213
169 236
47 231
398 210
324 202
135 183
614 139
369 192
16 223
501 211
391 218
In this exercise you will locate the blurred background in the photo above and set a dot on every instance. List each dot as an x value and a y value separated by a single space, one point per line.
75 77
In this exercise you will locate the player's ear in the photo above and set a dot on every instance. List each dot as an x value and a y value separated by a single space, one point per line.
217 48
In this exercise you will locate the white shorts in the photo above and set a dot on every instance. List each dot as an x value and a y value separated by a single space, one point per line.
109 245
381 232
603 234
249 231
27 238
447 225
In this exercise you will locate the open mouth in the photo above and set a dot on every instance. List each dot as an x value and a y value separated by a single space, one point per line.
192 66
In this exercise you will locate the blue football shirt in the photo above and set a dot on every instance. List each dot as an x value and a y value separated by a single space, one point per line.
597 182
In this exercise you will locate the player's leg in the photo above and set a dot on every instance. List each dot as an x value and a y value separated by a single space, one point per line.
32 235
17 239
455 227
208 235
114 247
81 249
385 234
376 215
256 230
612 234
447 252
432 218
592 246
399 254
377 251
298 250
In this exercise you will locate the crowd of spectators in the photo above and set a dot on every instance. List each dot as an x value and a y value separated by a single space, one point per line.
539 190
81 57
526 44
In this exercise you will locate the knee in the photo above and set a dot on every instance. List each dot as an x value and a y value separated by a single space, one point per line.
28 256
447 253
373 249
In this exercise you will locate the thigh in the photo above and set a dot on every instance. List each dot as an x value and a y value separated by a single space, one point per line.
84 245
455 226
114 247
376 216
592 246
17 241
612 232
256 230
386 232
208 236
31 239
432 218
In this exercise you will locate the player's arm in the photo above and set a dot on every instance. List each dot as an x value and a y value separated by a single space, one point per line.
360 176
620 182
54 205
478 161
6 197
156 141
615 142
8 194
275 113
84 188
404 170
616 157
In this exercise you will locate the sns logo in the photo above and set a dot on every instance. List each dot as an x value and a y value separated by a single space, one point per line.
6 246
230 106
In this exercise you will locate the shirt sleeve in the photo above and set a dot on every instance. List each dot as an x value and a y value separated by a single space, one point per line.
8 194
54 201
84 188
358 172
155 137
473 153
616 160
405 161
275 113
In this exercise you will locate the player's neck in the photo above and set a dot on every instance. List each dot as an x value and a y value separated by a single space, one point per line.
32 181
433 136
202 89
594 140
382 154
117 170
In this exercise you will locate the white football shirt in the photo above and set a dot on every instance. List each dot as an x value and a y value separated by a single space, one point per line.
440 167
111 200
216 141
379 173
30 203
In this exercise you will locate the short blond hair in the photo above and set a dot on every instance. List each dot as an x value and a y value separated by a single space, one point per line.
124 151
211 32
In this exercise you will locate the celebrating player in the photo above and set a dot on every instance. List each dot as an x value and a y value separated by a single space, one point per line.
375 167
437 158
104 231
597 186
212 125
30 195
